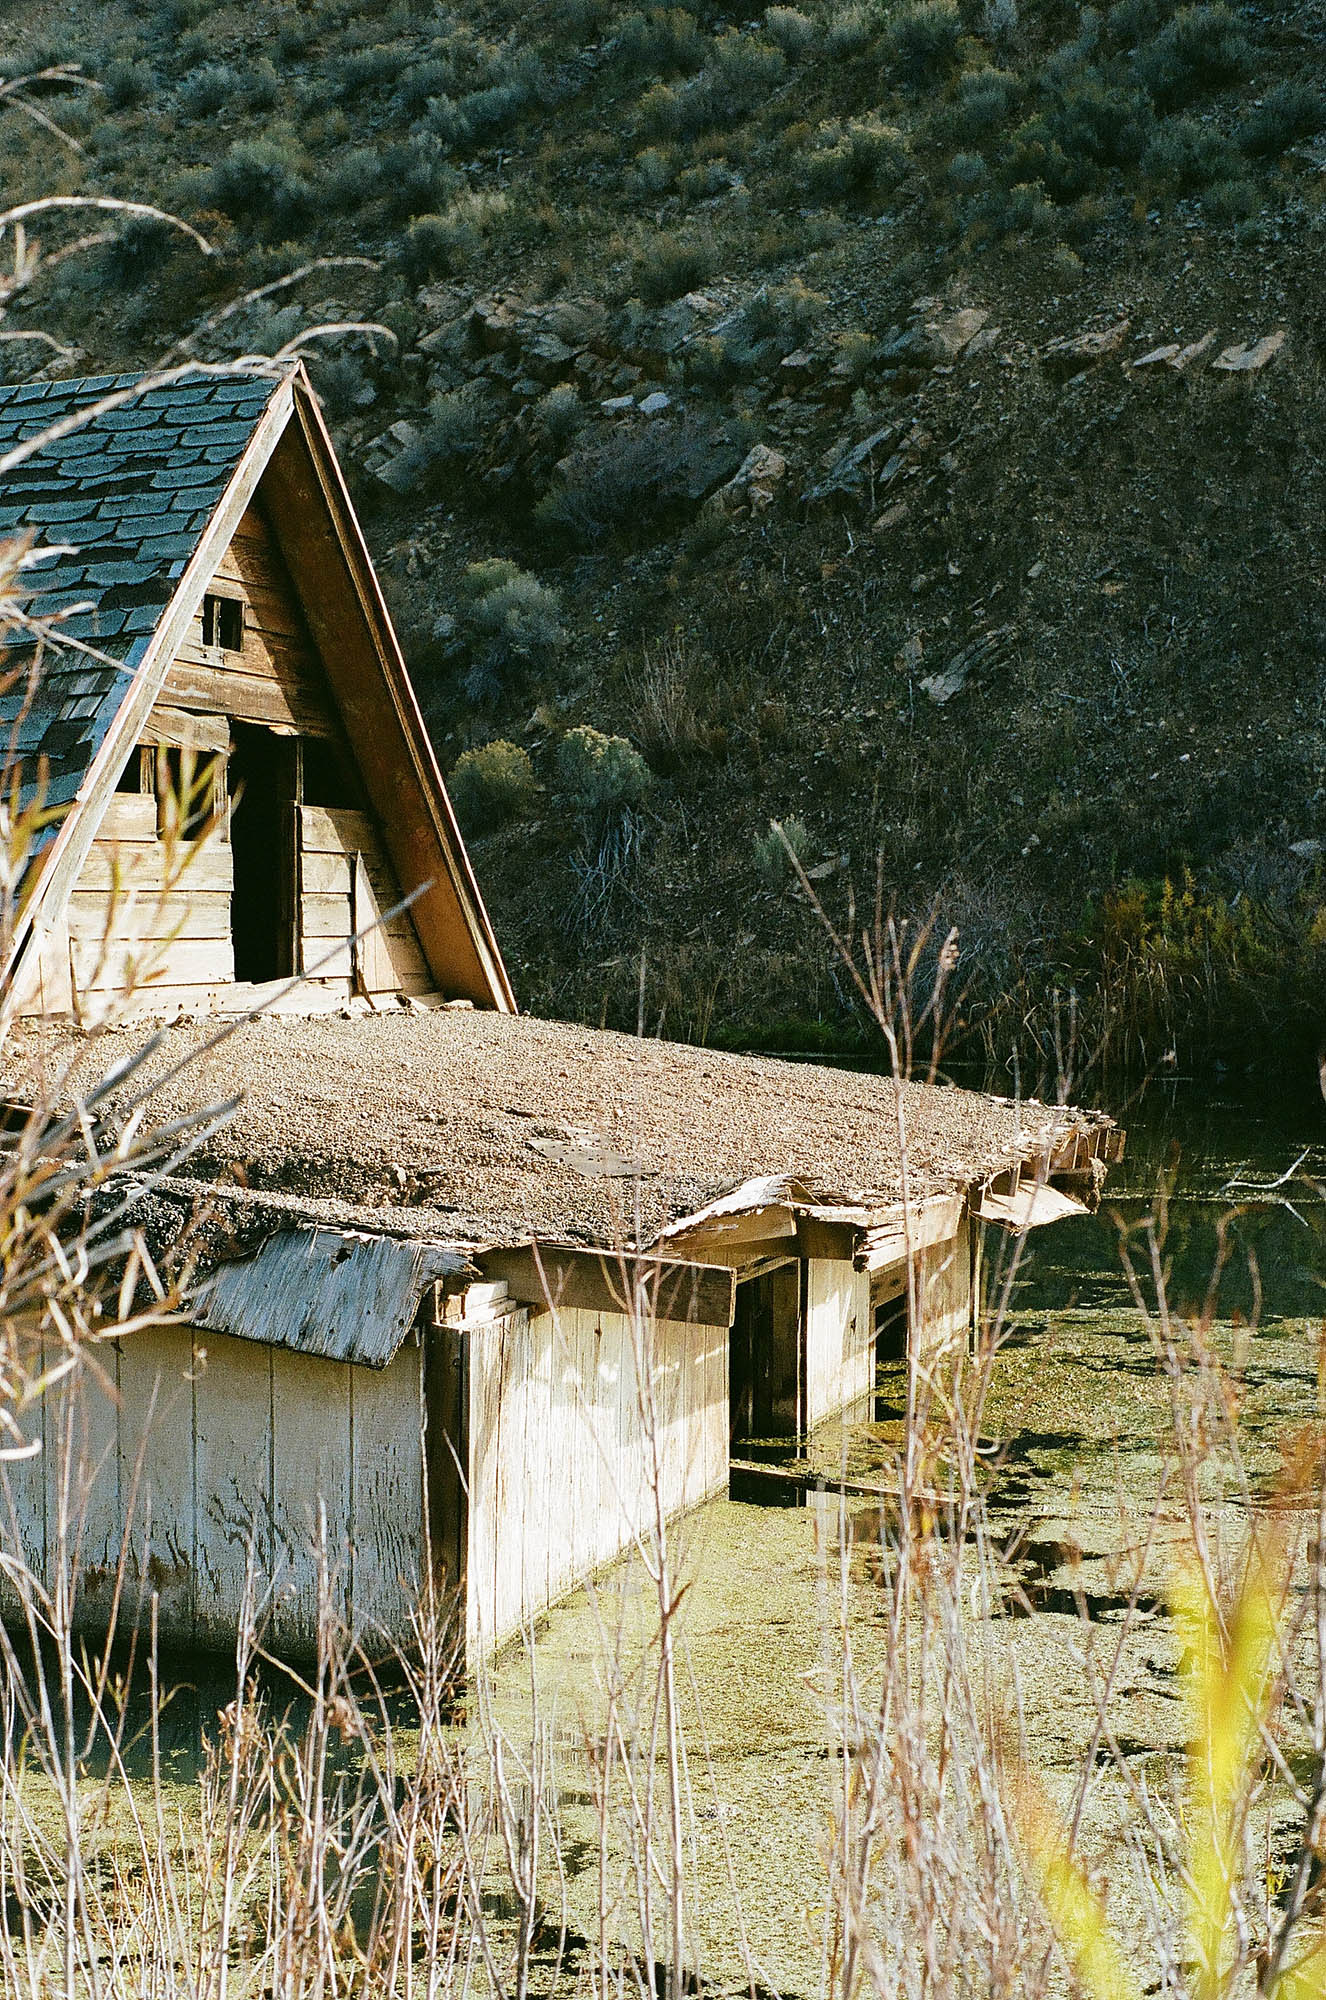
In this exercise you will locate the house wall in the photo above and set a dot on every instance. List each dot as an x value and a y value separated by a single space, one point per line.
840 1338
140 918
560 1459
176 1453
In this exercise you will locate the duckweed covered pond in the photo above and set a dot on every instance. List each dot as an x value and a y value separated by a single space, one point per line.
1076 1431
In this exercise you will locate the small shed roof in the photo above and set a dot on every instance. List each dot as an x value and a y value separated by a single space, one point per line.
488 1130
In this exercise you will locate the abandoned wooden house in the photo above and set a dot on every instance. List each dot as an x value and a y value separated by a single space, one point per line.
473 1288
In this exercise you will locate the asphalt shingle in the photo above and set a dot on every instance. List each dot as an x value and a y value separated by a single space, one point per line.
133 488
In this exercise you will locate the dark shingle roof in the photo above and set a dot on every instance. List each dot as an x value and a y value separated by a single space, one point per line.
127 495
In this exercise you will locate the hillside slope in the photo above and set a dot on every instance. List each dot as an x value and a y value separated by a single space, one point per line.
1012 320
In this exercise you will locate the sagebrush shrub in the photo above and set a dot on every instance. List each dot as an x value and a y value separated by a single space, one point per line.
1187 155
261 181
666 41
773 863
985 104
861 161
669 265
506 623
454 432
439 246
792 31
923 40
1201 49
638 475
1230 201
127 83
209 89
492 786
850 31
739 72
1291 110
601 775
416 175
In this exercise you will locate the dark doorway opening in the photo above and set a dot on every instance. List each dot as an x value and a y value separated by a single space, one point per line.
764 1357
262 840
890 1349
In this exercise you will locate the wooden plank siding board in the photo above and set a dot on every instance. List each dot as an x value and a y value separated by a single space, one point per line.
156 1473
348 881
943 1296
561 1467
840 1349
312 1492
233 1469
386 1417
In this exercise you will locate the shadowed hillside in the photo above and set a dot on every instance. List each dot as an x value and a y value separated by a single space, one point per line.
899 422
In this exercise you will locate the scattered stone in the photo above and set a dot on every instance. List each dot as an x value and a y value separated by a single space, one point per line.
942 687
1078 351
1308 850
985 343
797 367
617 406
754 484
385 455
892 517
848 472
1253 357
911 653
655 404
1037 569
1195 355
1158 355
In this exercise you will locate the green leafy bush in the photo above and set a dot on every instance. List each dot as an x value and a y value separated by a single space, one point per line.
352 179
923 40
492 786
506 623
1201 49
1290 111
862 161
601 775
773 863
1230 201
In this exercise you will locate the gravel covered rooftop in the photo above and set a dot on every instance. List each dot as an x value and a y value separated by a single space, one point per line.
489 1129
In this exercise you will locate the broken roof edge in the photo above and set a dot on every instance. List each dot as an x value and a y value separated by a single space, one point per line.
59 864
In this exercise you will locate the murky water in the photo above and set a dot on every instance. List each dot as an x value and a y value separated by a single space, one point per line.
1218 1153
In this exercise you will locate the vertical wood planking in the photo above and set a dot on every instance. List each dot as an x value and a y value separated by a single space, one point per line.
82 1500
156 1475
388 1498
311 1453
232 1475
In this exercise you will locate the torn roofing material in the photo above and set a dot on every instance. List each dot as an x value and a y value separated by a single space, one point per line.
439 1124
338 1294
120 500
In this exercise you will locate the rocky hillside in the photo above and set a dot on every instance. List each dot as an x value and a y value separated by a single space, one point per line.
901 422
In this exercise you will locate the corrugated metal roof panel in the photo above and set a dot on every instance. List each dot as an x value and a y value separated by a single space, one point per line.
329 1292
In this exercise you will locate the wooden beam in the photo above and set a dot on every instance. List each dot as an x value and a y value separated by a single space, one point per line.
934 1220
543 1275
836 1241
315 525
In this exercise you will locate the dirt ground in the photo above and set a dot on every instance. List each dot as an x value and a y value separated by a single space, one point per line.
1076 1428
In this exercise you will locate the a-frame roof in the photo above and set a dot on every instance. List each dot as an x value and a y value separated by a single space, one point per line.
136 491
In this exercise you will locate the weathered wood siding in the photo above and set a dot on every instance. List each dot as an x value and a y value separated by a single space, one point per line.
347 883
277 678
840 1338
560 1461
127 922
205 1456
943 1294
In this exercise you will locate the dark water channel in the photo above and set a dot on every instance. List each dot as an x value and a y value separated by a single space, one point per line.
1215 1151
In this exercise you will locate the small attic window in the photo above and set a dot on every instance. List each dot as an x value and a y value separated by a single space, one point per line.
223 623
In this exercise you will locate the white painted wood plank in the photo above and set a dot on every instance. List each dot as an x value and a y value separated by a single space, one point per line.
156 1475
310 1482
